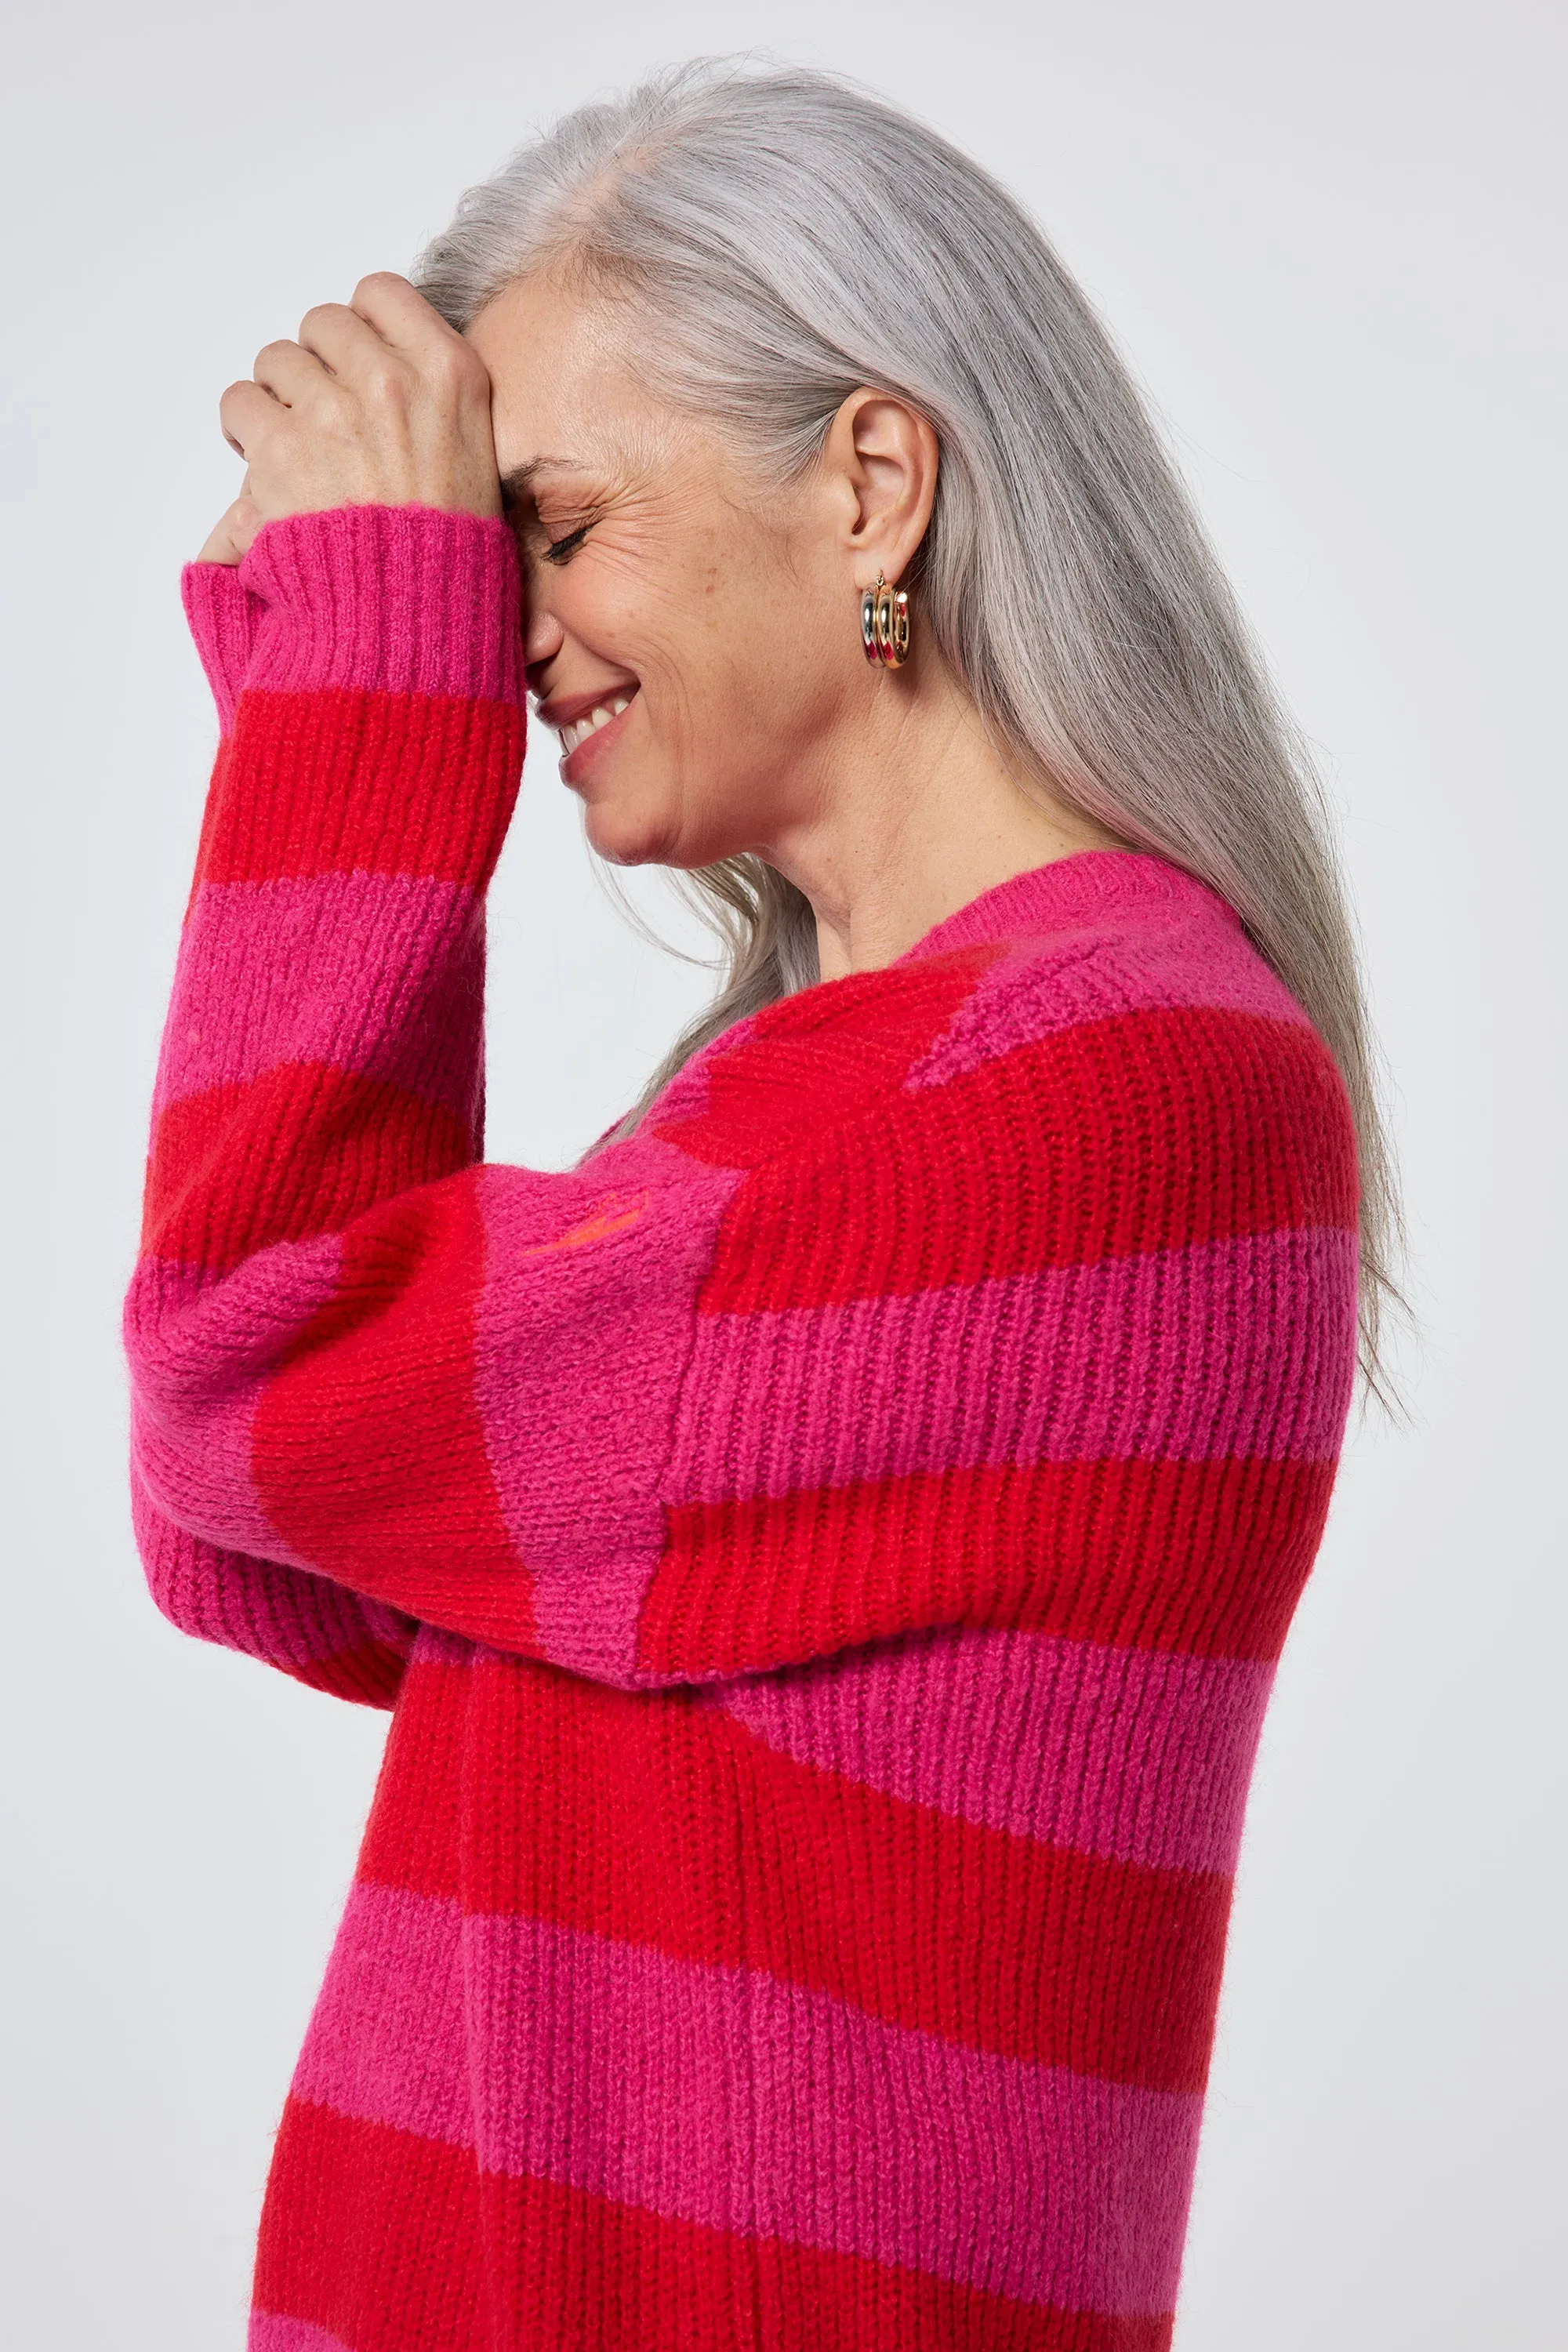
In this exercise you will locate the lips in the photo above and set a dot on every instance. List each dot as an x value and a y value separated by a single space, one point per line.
587 725
599 716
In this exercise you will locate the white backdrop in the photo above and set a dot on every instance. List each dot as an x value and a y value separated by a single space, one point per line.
1326 238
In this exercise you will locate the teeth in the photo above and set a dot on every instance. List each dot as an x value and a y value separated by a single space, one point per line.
599 716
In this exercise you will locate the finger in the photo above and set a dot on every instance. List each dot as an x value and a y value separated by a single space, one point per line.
230 537
402 317
244 520
219 546
290 374
246 413
340 337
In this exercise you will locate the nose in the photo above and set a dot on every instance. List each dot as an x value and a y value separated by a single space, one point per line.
543 638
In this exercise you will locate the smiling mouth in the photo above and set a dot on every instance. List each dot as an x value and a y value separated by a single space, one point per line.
599 716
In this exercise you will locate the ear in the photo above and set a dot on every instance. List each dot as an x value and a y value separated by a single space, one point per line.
881 458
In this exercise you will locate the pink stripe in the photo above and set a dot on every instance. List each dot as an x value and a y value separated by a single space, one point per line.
1228 1350
377 974
1095 944
270 2332
725 2097
1093 890
223 618
1141 1755
200 1349
578 1364
390 599
386 2040
285 1615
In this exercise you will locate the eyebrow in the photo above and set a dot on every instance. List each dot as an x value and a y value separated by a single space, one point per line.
519 480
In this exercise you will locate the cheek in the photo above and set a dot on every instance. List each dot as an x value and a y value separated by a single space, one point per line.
699 660
728 647
748 658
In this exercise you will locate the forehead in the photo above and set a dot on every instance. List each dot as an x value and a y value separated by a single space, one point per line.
563 387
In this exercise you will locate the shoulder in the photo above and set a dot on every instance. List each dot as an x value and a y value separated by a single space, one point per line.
1150 1026
1119 969
1135 1079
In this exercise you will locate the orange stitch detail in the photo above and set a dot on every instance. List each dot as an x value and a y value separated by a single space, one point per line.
610 1214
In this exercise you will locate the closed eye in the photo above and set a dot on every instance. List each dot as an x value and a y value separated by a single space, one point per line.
559 550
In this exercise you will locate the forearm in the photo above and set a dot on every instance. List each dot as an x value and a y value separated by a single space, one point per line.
324 1047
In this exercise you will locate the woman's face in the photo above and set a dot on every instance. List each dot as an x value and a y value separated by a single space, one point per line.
715 618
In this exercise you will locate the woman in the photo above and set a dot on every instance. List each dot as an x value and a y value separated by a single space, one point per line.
825 1552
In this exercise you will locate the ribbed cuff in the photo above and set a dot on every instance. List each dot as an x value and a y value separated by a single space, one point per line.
223 617
398 600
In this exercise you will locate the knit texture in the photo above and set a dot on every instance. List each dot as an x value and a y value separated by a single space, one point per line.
825 1554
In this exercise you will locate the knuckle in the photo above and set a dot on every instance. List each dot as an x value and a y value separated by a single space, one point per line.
447 366
383 383
322 314
458 370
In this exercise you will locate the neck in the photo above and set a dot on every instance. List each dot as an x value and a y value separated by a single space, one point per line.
914 818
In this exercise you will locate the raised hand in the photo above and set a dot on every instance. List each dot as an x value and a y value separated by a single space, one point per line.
379 403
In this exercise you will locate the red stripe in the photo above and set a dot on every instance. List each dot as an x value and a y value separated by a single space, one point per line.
341 782
1203 1557
926 1920
370 1674
221 792
382 2246
589 2272
367 1448
826 1052
1147 1131
372 2234
412 1839
298 1151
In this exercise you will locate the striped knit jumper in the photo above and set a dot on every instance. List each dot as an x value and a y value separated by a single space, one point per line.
825 1554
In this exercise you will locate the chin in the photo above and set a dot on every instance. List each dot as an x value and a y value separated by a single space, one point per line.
661 824
622 837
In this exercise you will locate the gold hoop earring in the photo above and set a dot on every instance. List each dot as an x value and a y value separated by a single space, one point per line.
885 623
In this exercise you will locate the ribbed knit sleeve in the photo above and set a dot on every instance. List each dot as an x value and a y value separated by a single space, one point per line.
367 764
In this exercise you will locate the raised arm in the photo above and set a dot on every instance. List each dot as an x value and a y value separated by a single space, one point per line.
382 405
368 759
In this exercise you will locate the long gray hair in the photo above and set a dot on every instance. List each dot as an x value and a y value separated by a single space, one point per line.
795 237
